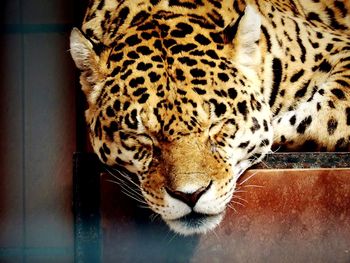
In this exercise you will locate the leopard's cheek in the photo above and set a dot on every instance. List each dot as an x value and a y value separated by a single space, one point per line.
152 184
131 152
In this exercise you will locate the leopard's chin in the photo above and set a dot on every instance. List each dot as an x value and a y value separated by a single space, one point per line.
195 223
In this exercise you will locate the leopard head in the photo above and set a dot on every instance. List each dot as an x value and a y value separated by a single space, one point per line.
180 107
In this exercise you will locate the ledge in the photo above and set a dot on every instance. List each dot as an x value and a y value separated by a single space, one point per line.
293 207
298 160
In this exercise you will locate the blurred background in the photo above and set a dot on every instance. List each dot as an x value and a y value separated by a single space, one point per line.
38 134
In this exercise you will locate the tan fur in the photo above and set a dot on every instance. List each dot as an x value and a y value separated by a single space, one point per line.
189 94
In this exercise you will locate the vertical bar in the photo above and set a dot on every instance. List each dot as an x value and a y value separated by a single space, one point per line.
82 143
87 226
23 157
11 136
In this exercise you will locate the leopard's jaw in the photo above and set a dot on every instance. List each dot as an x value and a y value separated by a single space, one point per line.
195 223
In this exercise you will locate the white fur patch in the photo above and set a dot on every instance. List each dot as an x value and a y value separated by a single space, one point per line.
181 228
248 52
250 26
175 208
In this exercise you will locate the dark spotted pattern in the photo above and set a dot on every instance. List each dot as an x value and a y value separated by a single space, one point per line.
304 124
170 75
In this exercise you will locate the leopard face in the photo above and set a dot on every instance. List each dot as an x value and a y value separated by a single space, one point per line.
181 108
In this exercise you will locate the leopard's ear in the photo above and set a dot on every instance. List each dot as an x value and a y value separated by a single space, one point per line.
82 51
86 59
244 34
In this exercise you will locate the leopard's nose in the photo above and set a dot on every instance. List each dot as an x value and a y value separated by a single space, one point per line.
190 199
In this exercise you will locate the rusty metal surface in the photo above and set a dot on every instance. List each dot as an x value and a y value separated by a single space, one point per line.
290 215
284 216
282 212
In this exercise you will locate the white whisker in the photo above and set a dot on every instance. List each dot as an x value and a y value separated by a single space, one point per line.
127 189
124 175
215 234
240 198
248 178
125 186
172 238
253 185
133 197
236 202
265 164
232 208
154 217
143 206
239 191
128 179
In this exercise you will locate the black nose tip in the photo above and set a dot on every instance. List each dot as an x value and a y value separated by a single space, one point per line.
188 198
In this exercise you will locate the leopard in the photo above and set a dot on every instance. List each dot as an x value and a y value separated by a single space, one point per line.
187 95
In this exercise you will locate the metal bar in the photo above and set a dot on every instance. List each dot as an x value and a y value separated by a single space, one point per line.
86 206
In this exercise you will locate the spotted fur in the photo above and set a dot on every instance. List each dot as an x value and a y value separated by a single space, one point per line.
189 94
